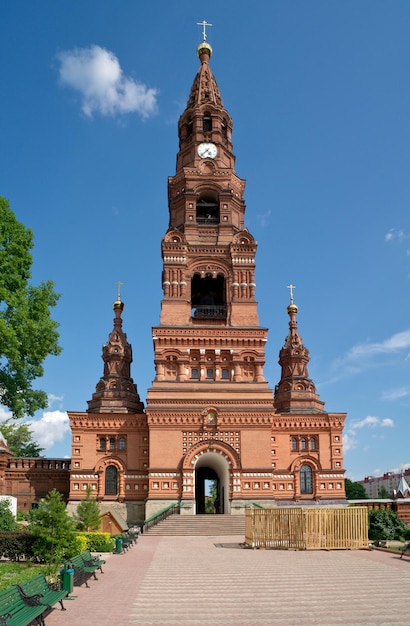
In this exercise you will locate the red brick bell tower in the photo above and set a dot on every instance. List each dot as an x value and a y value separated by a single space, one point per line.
209 409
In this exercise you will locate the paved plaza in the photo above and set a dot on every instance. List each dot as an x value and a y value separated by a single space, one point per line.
201 581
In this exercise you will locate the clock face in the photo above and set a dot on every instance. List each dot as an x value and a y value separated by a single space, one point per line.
207 150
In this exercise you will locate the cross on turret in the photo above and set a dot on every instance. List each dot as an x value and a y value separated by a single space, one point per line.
204 24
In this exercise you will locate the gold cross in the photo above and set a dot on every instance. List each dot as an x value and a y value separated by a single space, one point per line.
291 287
119 283
204 24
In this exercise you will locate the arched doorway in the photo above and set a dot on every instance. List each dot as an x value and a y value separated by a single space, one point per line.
212 467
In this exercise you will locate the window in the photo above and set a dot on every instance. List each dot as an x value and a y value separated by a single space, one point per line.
194 373
207 123
111 481
306 479
294 443
225 374
302 443
121 443
210 373
189 127
312 443
112 443
103 443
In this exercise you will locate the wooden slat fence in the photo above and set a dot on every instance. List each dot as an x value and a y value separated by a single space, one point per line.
317 528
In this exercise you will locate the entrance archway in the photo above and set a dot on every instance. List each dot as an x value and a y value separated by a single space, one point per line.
212 466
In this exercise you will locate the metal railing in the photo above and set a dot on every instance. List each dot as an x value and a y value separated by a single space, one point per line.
155 519
209 311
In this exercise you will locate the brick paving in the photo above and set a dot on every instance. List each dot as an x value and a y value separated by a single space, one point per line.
209 581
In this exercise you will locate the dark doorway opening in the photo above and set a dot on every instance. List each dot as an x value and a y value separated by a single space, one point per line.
207 492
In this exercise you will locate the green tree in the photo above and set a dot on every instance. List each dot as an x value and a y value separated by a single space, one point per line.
88 513
20 439
53 529
7 519
27 332
355 491
386 524
383 493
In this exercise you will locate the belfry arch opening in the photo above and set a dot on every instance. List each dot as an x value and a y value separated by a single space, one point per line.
207 209
208 296
212 467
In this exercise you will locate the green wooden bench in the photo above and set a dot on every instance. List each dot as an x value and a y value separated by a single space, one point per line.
15 612
82 572
405 549
36 591
90 560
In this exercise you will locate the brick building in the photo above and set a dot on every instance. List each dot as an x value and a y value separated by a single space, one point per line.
210 414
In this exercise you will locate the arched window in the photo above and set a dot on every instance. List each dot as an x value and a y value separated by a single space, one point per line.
306 485
207 123
294 443
112 443
103 443
189 127
121 443
208 296
111 481
302 443
312 443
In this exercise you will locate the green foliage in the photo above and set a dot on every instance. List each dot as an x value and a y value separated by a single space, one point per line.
19 439
27 332
355 491
88 513
383 493
97 542
16 546
80 543
7 519
53 530
386 524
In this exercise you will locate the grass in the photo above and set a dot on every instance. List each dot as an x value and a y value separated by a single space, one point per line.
15 573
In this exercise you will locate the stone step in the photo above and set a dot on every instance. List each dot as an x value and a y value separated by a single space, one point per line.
200 525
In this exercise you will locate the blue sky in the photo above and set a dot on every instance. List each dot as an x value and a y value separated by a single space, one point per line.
320 97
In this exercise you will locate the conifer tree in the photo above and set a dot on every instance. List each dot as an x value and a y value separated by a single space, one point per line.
53 529
88 513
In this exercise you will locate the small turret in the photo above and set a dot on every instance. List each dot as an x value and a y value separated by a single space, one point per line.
115 391
295 392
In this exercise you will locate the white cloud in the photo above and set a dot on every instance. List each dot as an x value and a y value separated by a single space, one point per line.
367 421
398 341
52 399
387 422
349 442
97 75
396 394
50 428
364 354
5 414
396 234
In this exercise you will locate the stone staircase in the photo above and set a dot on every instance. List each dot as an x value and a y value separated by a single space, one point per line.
200 525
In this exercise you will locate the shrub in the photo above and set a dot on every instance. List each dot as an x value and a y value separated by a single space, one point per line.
17 546
385 524
97 542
